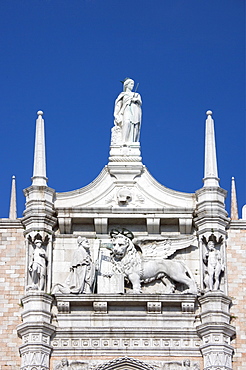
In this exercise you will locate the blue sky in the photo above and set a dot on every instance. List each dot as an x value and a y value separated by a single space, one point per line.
67 57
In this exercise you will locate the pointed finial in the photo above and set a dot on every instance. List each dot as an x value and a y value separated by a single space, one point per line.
39 166
13 207
210 165
234 209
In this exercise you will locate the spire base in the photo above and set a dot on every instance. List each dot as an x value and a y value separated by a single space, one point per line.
39 180
211 181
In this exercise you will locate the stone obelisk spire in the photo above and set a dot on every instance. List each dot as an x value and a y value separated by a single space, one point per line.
210 167
13 207
234 209
211 214
39 167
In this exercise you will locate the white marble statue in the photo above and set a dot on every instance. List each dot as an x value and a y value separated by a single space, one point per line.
128 113
213 267
82 271
37 267
128 261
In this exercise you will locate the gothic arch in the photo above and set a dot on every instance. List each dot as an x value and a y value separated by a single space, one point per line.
125 363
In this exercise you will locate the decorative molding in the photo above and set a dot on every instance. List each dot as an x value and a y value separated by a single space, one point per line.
100 307
154 307
188 307
63 307
138 343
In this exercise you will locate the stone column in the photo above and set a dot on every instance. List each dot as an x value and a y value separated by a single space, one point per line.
215 331
36 331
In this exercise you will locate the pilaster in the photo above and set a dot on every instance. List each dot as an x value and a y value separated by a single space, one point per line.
36 331
39 216
215 331
39 221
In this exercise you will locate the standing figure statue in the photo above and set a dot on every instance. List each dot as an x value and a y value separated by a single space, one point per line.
37 267
214 267
82 271
128 112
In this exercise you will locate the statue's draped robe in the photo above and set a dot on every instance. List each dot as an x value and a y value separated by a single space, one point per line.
128 115
82 272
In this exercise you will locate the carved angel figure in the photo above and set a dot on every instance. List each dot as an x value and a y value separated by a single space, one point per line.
142 269
213 266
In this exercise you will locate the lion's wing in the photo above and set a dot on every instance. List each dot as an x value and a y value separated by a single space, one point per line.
164 248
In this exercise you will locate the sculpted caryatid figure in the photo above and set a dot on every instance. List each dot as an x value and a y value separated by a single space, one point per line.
214 267
128 112
37 267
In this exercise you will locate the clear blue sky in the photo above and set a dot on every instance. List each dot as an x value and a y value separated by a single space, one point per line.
67 57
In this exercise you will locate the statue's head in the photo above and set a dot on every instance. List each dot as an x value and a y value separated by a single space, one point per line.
128 83
120 240
210 245
38 243
83 242
120 245
64 362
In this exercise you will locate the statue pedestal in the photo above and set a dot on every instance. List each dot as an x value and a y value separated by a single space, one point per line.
125 153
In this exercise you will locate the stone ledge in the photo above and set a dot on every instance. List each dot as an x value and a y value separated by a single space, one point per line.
164 298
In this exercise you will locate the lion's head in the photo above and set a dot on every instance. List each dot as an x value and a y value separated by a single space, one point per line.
124 255
120 245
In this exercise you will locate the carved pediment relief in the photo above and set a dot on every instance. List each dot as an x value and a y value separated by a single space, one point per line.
107 191
125 363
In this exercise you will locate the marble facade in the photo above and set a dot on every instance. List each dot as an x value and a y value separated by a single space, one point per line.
126 273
